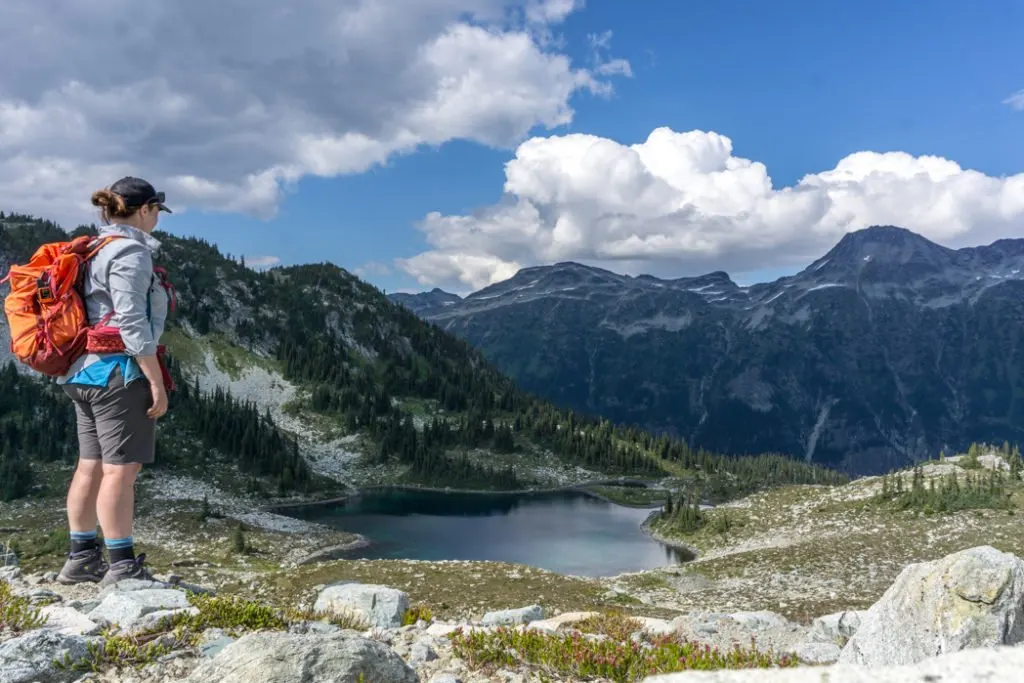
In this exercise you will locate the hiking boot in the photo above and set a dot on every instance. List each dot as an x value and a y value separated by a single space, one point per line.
82 567
126 569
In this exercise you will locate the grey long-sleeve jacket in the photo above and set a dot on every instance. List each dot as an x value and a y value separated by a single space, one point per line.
119 279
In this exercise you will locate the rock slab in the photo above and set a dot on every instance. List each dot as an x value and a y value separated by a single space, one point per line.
970 599
128 608
68 621
381 606
32 658
292 658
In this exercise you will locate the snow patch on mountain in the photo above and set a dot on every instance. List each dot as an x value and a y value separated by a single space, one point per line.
661 321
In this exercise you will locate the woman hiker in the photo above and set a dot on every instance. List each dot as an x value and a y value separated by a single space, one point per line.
117 386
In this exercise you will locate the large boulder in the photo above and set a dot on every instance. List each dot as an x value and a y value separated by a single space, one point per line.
275 657
8 558
970 599
128 608
380 606
508 617
970 666
68 621
34 657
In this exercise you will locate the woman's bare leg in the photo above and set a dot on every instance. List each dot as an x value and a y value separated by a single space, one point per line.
82 494
115 506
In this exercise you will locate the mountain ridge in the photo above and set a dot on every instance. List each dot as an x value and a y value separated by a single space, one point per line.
727 367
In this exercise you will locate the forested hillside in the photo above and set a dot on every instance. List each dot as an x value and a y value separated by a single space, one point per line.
424 404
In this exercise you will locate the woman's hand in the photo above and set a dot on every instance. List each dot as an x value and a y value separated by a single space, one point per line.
151 369
159 406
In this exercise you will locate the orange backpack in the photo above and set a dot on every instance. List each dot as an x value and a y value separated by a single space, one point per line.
46 309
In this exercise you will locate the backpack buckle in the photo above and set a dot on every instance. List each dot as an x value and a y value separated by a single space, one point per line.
45 291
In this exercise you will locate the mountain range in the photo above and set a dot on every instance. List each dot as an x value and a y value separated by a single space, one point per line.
884 351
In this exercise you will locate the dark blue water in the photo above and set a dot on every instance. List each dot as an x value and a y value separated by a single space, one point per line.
566 531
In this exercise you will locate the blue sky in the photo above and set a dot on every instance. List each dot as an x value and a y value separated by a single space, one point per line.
795 85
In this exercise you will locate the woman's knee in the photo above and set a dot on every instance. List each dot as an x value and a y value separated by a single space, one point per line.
124 474
89 468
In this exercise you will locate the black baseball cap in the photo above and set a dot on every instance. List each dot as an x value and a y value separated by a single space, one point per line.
138 192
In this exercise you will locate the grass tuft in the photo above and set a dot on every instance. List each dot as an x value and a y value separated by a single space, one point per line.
416 613
16 613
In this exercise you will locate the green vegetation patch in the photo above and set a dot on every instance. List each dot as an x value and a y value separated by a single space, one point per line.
16 613
949 493
585 656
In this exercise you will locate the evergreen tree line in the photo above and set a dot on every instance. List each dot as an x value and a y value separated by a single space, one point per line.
238 430
947 493
37 425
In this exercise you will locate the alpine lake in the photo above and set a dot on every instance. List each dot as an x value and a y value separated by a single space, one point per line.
569 531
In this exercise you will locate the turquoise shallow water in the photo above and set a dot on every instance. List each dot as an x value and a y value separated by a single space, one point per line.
566 531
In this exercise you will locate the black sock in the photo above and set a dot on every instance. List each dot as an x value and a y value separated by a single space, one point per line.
83 541
120 553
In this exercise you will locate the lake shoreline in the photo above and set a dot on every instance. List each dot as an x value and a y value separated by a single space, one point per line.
582 488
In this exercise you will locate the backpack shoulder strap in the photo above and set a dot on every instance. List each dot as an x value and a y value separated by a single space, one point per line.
98 244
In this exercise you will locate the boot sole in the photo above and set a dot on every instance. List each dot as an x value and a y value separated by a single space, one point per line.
68 581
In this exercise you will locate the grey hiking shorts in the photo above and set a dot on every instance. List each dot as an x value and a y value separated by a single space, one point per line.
112 422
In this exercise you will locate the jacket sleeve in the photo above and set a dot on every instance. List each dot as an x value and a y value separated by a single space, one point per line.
128 278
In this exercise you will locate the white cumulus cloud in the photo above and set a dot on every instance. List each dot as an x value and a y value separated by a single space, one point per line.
680 203
225 104
1016 100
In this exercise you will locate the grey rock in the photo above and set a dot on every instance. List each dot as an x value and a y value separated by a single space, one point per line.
67 620
706 624
32 658
127 608
41 596
523 615
759 620
421 653
84 606
987 665
970 599
332 553
153 620
9 573
50 577
132 586
209 650
292 658
838 627
191 587
380 606
445 677
818 653
8 558
317 627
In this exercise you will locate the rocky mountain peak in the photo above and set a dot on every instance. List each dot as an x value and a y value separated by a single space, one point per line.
884 252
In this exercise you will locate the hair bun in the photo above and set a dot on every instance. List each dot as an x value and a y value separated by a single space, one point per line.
113 204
